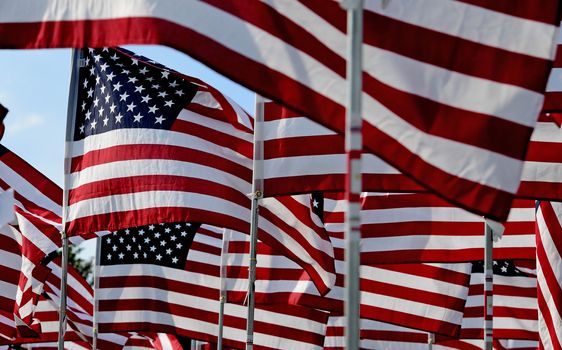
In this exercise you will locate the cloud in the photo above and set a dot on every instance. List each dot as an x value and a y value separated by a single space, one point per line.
19 124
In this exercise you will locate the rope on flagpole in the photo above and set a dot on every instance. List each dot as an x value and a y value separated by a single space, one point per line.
222 297
256 195
353 144
77 62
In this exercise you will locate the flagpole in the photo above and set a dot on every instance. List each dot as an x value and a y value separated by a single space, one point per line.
488 286
96 287
430 341
353 144
70 120
257 193
222 298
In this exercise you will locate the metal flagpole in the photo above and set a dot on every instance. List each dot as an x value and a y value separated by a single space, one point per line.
222 298
488 286
96 286
430 340
257 193
353 144
70 121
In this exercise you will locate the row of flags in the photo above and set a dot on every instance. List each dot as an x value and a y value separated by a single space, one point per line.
160 166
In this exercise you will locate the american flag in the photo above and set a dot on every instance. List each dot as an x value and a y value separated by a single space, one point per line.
151 146
421 227
38 209
423 108
425 296
301 155
183 297
515 302
549 274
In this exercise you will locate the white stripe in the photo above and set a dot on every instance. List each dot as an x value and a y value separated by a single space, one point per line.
470 22
33 234
293 127
120 137
155 199
542 171
554 80
547 132
217 125
431 214
155 167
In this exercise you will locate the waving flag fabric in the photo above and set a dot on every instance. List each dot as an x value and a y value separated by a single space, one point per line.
436 88
151 146
515 302
163 293
549 274
301 155
425 296
38 209
421 227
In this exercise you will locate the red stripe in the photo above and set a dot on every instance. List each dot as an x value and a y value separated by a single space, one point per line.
159 152
552 101
138 184
540 190
432 272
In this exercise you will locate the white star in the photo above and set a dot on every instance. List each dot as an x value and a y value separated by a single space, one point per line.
162 243
133 80
124 96
114 248
139 89
114 57
118 118
135 255
82 129
144 70
108 240
156 86
138 117
157 235
88 114
504 269
168 103
150 79
146 240
92 70
134 239
100 111
144 254
146 98
110 76
117 86
104 66
174 260
315 203
141 232
152 248
178 226
97 58
165 74
85 83
158 257
179 93
153 109
128 247
108 256
495 262
84 105
127 231
125 71
106 98
174 84
96 101
134 61
151 227
98 79
179 245
183 233
173 238
102 89
121 239
167 230
93 124
131 107
168 251
159 120
105 120
162 94
121 256
112 107
90 92
87 61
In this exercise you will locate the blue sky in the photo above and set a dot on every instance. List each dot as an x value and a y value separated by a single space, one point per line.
34 87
